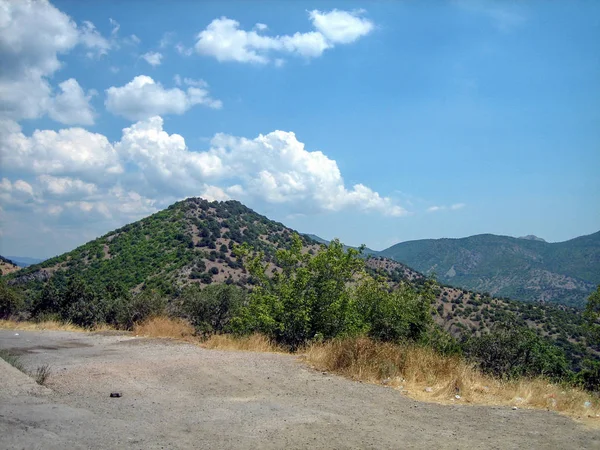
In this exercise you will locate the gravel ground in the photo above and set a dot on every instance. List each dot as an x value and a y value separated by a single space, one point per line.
181 396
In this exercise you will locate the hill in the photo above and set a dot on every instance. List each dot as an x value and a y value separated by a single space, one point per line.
526 269
192 241
7 266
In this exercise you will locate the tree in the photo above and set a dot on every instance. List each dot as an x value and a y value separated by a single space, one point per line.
310 298
592 317
11 301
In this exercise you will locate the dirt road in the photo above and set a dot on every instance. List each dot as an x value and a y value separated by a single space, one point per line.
182 396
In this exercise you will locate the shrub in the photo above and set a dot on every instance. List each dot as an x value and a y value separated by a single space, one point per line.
11 301
210 309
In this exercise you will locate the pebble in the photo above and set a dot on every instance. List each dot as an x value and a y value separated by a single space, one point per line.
514 408
457 397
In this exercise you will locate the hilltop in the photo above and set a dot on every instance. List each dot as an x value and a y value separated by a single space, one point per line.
528 268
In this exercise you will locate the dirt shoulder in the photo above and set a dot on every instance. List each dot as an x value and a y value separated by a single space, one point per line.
178 395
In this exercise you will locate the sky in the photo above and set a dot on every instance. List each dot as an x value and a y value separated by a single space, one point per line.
374 122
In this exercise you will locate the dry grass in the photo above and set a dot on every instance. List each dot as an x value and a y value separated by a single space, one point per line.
252 343
52 325
164 327
425 375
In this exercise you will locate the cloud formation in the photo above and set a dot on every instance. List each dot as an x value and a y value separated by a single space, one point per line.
224 40
143 97
32 35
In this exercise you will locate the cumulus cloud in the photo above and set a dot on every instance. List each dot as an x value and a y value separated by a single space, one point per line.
224 40
142 97
72 105
32 36
153 58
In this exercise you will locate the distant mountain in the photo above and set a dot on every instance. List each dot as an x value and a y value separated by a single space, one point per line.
527 268
24 261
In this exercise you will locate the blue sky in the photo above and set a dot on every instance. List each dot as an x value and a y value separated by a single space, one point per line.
374 122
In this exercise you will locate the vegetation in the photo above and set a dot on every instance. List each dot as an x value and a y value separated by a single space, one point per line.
221 268
523 269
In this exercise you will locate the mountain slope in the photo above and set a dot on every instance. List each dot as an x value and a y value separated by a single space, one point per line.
523 269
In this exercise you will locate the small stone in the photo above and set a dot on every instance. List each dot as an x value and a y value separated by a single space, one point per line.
457 397
16 334
428 389
514 408
116 395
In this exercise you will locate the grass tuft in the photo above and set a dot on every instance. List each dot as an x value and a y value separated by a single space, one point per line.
52 325
42 373
13 360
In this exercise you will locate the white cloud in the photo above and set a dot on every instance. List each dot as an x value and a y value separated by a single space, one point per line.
32 36
68 151
75 180
454 207
97 44
341 27
153 58
66 186
72 105
142 97
115 26
226 41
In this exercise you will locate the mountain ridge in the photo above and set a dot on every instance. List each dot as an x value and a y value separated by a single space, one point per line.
525 269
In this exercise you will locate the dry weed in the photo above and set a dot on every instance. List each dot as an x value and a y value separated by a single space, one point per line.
52 325
165 327
426 375
252 343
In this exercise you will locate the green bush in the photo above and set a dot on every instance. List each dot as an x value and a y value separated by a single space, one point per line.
210 309
11 301
512 351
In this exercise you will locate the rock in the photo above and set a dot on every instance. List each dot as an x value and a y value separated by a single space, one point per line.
428 389
457 397
116 394
514 408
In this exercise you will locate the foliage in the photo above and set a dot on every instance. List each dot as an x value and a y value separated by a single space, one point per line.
512 351
328 295
589 376
592 316
210 309
11 301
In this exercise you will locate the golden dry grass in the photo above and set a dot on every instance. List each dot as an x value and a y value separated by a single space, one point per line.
252 343
52 325
426 375
164 327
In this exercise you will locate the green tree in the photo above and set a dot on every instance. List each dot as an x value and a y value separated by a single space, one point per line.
309 298
592 316
11 301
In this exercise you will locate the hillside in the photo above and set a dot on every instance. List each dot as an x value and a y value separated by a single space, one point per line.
526 269
192 242
7 266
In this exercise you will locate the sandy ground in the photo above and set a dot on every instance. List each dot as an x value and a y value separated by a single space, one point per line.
181 396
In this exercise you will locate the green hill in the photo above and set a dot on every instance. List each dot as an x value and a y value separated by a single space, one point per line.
520 268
